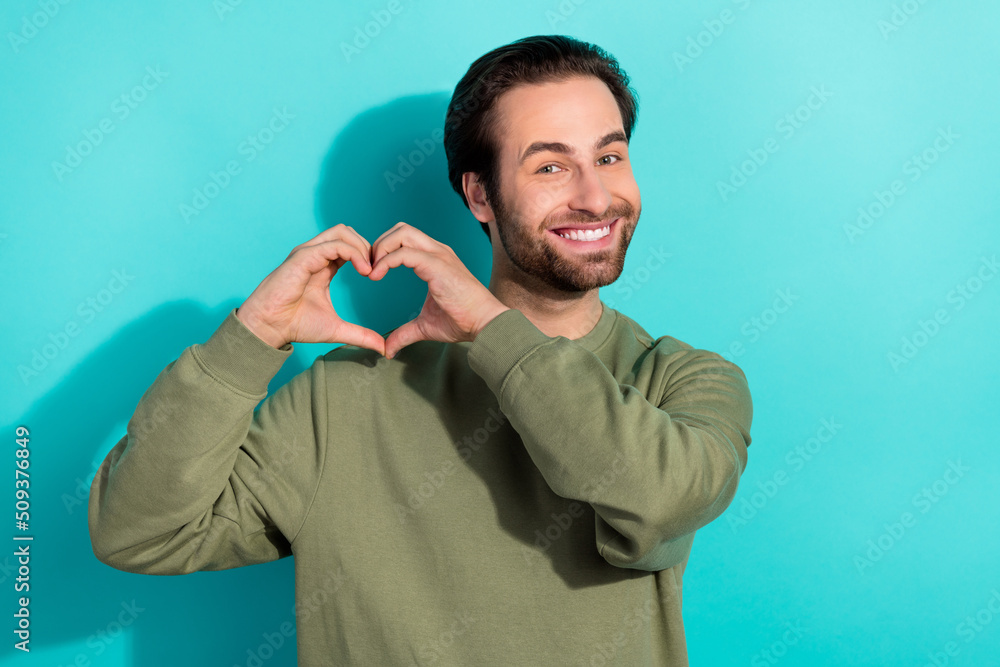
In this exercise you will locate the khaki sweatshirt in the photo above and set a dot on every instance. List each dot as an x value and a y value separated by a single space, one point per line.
516 500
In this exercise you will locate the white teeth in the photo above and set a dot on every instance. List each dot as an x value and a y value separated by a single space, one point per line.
586 235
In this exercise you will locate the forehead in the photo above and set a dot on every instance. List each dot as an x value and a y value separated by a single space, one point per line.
575 112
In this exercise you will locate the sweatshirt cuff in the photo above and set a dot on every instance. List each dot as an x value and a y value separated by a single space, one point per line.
236 356
501 345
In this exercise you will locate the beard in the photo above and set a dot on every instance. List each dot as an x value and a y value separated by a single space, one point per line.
535 254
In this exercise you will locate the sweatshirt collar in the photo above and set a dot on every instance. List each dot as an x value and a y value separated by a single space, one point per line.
594 338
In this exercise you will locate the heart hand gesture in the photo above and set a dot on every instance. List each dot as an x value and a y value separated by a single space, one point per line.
292 304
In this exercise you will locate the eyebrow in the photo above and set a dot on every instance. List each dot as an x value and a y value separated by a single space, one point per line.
558 147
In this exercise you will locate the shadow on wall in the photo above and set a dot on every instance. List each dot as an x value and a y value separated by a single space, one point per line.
75 598
387 165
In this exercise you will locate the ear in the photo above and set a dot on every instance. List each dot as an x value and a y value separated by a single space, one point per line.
476 197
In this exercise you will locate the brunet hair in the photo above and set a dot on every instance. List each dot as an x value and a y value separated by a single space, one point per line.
470 137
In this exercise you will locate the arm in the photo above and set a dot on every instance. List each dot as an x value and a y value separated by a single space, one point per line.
654 472
201 481
685 451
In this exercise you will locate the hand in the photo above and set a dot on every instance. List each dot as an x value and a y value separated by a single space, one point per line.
292 304
457 307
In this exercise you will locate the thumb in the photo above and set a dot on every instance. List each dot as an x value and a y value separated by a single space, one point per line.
402 336
353 334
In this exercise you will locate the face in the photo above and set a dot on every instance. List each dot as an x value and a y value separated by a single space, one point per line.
568 202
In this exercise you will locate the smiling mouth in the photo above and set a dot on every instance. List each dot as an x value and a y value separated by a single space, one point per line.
575 234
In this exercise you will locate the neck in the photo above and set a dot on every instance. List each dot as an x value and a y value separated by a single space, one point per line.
554 312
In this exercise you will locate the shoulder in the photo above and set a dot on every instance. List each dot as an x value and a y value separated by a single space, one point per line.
627 329
697 385
661 344
674 358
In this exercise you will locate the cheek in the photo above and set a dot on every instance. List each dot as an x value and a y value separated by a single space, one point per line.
628 187
536 201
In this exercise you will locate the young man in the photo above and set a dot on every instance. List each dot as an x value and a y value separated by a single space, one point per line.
515 477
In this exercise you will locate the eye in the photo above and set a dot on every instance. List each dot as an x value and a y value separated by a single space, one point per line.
546 169
608 159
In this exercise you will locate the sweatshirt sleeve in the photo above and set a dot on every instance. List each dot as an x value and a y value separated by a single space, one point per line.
202 480
654 470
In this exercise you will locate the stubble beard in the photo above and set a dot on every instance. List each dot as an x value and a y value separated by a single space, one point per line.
536 255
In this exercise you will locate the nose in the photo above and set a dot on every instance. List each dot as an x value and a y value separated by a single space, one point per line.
589 194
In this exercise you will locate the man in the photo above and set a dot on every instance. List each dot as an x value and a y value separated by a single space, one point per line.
515 477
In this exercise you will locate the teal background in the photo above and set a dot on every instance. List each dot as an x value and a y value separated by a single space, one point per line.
788 575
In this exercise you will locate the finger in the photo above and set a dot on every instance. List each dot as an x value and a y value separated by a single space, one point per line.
350 235
314 259
402 336
353 334
362 242
386 233
402 256
340 232
427 259
401 235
